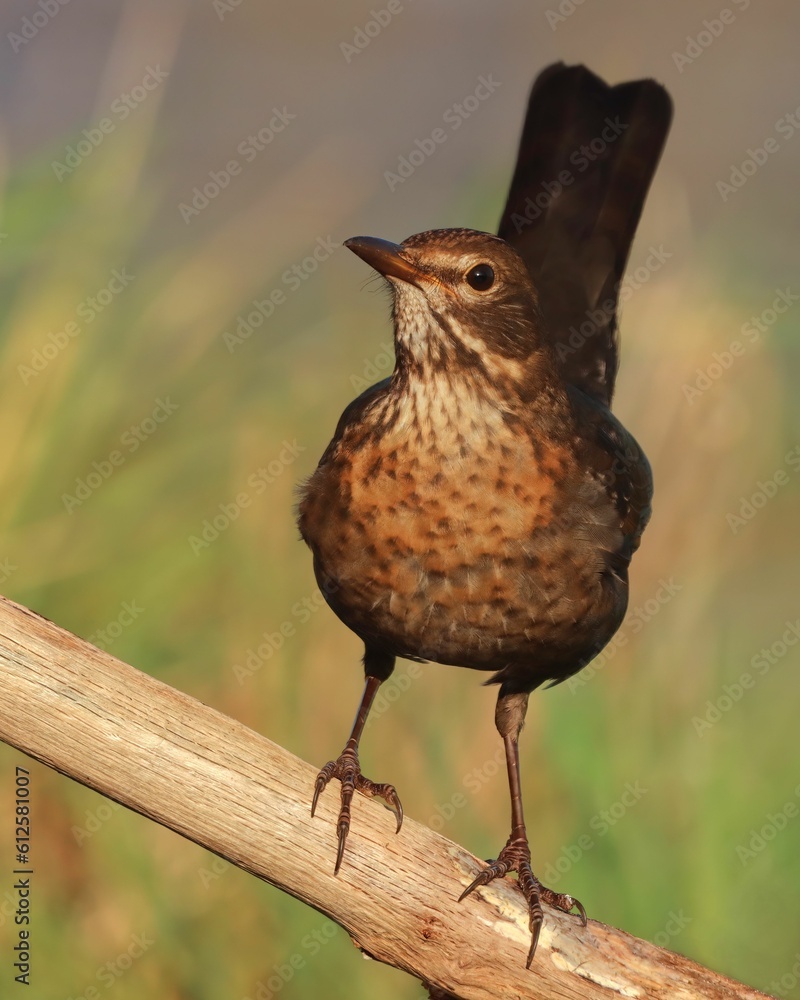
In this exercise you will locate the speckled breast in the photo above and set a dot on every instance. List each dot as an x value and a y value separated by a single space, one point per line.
455 541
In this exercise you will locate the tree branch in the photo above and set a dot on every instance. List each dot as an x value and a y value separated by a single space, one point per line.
180 763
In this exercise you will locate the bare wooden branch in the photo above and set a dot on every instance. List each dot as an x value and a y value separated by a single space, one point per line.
173 759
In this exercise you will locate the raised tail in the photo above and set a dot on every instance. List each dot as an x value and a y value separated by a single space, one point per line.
586 158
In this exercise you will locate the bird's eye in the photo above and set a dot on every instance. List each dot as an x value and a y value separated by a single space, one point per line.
480 277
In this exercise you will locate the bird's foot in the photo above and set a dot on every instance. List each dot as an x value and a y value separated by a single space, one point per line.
348 770
516 857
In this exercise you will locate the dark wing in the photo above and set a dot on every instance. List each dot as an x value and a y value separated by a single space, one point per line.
311 489
619 467
353 413
586 158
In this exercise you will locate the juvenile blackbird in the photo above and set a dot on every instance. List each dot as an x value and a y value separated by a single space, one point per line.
480 507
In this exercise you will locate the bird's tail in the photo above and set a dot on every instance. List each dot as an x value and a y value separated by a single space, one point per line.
586 158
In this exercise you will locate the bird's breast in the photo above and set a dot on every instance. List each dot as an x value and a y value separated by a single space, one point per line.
448 532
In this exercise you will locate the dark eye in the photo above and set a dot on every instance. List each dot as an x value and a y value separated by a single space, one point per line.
480 277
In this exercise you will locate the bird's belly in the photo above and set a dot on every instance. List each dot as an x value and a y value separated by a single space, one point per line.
471 560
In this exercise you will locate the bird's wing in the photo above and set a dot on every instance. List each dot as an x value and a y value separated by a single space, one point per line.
615 462
586 158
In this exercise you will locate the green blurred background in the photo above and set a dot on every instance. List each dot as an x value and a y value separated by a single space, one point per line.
703 857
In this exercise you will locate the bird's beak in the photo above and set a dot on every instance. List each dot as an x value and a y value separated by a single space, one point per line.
387 258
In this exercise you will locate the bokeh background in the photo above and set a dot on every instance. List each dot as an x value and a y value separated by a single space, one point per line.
663 785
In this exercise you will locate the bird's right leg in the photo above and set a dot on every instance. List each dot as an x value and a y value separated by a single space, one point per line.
378 666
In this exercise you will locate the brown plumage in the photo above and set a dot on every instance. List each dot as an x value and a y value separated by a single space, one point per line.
480 507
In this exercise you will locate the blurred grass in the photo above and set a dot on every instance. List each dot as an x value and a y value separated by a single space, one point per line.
216 932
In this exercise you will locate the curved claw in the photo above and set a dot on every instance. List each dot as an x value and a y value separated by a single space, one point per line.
495 869
515 856
389 794
344 829
537 926
321 783
347 769
348 778
484 878
469 889
561 901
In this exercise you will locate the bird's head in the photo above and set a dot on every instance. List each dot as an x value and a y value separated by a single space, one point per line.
461 298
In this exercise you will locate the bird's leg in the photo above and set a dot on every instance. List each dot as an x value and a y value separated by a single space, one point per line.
516 855
347 768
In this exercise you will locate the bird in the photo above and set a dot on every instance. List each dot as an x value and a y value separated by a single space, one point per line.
480 506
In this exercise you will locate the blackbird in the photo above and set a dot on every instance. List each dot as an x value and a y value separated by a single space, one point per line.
480 507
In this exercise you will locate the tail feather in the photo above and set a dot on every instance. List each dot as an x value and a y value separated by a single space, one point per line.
586 158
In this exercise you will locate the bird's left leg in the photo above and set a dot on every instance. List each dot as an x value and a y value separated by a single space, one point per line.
516 855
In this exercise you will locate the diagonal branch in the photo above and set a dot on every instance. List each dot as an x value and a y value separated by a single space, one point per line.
209 778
